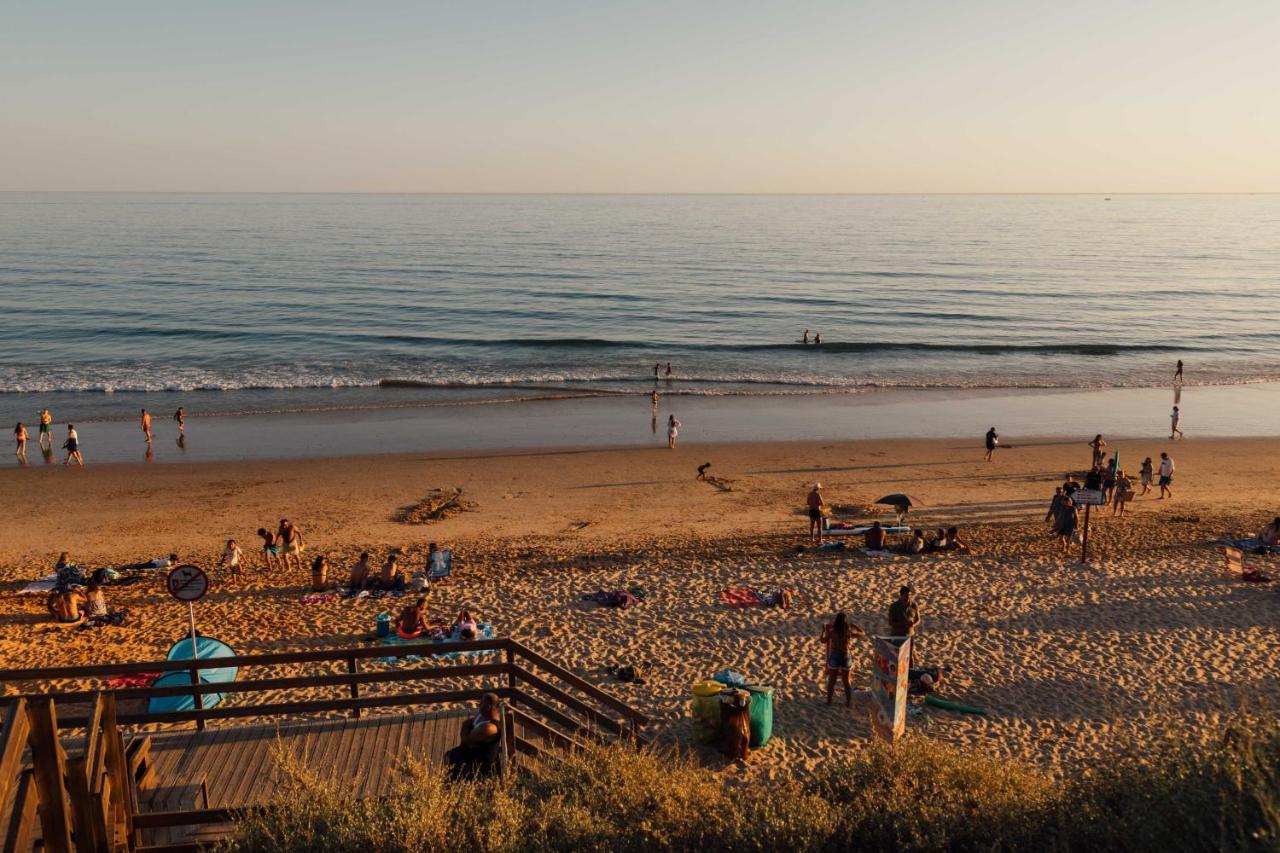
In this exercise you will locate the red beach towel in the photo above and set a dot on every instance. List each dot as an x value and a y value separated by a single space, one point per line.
742 597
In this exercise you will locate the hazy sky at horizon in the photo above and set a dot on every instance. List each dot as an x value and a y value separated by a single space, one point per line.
659 96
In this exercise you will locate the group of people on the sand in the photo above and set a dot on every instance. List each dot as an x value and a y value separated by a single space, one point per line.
79 596
876 537
903 620
1117 488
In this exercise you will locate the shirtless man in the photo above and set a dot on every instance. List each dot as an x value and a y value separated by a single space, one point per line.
390 577
65 606
815 503
145 423
360 573
289 538
46 430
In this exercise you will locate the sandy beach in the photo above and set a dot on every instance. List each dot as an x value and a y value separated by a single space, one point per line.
1146 639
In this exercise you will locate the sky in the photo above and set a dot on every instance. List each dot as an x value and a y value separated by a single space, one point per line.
649 97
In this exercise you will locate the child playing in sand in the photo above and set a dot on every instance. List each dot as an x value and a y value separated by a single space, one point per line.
270 549
232 557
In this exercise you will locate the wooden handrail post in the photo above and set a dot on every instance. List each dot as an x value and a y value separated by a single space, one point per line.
49 767
509 653
197 696
353 668
122 804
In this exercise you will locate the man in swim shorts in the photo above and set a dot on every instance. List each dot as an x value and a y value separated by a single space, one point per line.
815 503
46 430
145 422
289 538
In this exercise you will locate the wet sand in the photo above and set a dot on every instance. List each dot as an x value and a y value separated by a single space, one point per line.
1070 659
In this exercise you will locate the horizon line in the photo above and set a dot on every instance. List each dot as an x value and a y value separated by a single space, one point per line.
635 193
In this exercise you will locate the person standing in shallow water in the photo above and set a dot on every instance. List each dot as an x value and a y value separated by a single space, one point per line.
1177 374
673 431
145 423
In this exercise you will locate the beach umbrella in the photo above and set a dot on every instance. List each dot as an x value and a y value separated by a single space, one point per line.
900 502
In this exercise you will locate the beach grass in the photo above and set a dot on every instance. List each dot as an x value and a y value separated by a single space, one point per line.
918 795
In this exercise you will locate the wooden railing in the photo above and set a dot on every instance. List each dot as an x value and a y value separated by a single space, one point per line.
543 688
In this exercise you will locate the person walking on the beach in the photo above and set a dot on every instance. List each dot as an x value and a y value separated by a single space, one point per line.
181 418
815 503
1177 374
673 431
1099 450
1145 474
904 618
145 422
1122 494
1166 475
992 440
1175 424
289 537
233 559
72 446
270 549
46 430
835 638
20 438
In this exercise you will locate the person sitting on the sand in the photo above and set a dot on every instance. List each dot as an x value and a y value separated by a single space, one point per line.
939 542
360 573
1270 535
916 544
874 537
65 606
465 626
320 573
390 577
412 622
95 601
836 637
477 751
953 540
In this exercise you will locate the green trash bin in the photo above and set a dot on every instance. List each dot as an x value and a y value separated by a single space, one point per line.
706 711
761 715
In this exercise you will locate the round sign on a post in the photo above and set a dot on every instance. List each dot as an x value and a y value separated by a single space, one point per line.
188 583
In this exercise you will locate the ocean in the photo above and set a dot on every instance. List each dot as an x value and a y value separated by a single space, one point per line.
263 303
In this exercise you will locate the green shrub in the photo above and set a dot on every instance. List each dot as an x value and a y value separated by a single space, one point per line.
916 796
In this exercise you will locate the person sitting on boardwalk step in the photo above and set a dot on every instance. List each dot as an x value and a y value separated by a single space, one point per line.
477 753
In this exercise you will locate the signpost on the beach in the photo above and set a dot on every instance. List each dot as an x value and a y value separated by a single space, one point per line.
890 660
189 584
1090 498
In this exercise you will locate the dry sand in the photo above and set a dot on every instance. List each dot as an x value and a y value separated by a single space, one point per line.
1068 658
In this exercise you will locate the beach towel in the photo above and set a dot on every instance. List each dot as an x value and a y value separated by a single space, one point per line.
618 598
831 546
486 632
41 587
113 619
319 597
741 597
871 553
142 679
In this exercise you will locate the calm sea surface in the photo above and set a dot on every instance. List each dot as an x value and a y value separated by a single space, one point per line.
266 302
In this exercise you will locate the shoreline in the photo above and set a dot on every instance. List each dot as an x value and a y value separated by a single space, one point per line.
628 421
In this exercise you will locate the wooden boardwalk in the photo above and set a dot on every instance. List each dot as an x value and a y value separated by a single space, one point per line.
238 764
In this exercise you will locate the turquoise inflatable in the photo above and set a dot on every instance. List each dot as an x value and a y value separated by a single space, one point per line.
207 648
